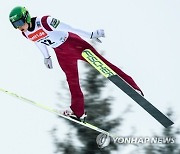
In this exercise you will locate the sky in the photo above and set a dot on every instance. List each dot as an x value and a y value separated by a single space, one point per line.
142 38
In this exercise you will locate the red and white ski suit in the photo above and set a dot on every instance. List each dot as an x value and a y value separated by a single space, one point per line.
68 46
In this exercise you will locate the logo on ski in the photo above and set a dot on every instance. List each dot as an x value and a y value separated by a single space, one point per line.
100 66
97 63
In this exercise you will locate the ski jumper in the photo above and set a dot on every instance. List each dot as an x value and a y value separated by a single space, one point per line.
68 46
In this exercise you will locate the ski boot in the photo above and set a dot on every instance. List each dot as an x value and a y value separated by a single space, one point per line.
71 114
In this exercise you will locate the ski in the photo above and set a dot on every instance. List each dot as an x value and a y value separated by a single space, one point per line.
106 71
55 111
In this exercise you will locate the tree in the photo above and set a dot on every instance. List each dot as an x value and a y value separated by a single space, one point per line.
98 109
171 146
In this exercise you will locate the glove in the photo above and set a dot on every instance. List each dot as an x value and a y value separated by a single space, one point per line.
48 62
96 34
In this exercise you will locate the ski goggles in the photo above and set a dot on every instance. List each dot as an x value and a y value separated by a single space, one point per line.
18 23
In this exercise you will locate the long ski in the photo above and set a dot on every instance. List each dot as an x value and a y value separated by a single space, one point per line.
106 71
55 111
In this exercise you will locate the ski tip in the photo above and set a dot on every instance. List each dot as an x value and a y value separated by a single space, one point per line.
169 125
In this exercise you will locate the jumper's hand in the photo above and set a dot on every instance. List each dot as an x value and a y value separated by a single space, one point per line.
48 62
97 34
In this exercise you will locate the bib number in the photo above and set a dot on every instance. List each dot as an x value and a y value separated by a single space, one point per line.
47 42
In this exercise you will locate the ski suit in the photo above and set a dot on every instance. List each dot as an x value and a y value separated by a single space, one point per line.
68 46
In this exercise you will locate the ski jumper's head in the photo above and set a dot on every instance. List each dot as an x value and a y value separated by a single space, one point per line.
20 18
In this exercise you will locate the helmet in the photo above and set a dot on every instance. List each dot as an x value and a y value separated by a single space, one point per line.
19 16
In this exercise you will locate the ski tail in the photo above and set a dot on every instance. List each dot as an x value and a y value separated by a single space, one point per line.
107 72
